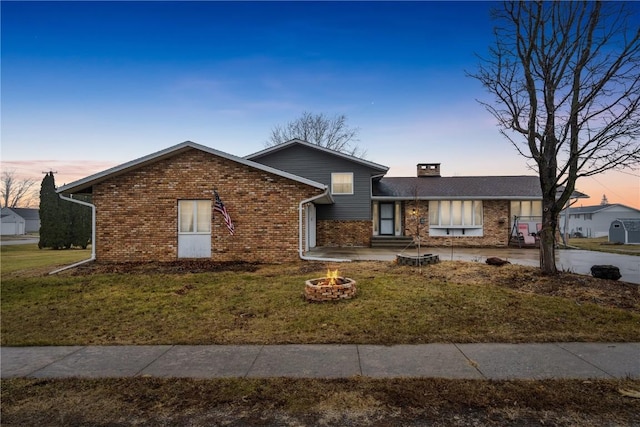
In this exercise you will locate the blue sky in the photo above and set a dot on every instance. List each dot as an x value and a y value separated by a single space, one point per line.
89 85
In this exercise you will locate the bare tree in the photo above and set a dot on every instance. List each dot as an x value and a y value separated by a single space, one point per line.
566 81
329 132
14 191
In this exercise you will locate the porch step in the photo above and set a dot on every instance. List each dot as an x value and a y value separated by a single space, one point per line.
399 242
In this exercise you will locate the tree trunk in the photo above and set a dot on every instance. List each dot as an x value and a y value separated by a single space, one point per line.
547 241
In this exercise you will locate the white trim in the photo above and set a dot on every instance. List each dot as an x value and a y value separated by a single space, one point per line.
301 207
392 198
93 234
334 193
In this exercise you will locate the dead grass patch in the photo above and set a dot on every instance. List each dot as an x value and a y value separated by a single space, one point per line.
295 402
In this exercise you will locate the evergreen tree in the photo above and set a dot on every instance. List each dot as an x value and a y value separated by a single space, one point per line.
80 222
63 224
53 218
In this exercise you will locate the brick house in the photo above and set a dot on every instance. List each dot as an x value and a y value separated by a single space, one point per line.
287 199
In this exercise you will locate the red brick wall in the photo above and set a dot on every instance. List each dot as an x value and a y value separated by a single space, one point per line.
495 228
137 212
343 233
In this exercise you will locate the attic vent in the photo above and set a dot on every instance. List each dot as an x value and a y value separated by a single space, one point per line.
428 169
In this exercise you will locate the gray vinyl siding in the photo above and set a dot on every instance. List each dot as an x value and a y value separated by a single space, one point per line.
318 166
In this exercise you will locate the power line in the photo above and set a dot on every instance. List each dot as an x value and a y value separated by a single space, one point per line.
609 189
630 174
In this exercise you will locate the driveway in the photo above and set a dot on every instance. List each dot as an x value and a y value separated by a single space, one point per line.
570 260
18 241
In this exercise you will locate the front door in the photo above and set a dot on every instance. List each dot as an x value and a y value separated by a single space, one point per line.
387 219
194 229
311 226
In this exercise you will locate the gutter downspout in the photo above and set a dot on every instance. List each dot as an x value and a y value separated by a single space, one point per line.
300 249
93 234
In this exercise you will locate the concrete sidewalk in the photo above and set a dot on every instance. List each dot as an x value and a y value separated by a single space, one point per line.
458 361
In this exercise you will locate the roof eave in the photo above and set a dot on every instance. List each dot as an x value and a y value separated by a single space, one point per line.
91 180
275 148
456 197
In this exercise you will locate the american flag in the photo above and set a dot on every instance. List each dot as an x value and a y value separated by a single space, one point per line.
219 206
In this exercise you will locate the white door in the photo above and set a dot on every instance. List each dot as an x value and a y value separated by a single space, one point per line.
194 229
311 226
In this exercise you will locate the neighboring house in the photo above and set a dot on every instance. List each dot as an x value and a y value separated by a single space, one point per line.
16 221
595 221
289 198
12 223
625 230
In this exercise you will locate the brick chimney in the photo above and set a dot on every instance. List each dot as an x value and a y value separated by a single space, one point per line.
428 169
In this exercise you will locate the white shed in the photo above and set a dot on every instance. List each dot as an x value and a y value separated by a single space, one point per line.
12 224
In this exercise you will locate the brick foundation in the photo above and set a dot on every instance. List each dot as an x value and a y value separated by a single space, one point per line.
336 233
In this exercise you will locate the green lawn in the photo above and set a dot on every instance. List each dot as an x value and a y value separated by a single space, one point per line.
601 244
16 259
447 302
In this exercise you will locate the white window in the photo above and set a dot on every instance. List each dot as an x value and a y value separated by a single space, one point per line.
455 213
194 216
526 209
342 183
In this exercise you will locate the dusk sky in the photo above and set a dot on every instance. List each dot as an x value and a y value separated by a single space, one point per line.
90 85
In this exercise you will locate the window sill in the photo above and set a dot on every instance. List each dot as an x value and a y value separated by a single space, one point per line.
456 227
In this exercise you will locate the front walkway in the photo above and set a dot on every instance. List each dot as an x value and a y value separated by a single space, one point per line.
572 260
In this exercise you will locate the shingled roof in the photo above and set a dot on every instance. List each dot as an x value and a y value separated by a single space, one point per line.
28 213
597 208
458 187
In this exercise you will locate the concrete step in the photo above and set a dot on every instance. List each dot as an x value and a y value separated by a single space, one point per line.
399 242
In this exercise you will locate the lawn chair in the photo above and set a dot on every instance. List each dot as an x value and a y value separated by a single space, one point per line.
523 231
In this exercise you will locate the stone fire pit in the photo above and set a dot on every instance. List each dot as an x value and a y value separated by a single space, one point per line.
331 288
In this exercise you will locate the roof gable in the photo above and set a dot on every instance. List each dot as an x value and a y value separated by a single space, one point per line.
630 224
27 213
88 182
598 208
381 169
